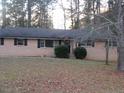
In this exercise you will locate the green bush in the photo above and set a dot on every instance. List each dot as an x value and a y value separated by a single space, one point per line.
62 51
80 53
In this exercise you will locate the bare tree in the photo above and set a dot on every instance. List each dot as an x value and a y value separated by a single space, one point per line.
110 4
71 13
64 11
119 25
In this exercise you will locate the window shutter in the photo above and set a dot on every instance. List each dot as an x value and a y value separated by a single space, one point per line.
15 41
59 42
26 43
2 41
93 44
38 43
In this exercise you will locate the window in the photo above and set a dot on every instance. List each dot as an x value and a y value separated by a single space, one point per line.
49 43
1 41
45 43
112 43
41 43
87 43
20 42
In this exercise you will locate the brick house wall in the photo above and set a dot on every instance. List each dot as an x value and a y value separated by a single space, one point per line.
99 52
9 49
93 53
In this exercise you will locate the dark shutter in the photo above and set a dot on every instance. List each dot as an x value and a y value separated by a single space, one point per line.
15 41
26 42
59 42
38 43
2 41
93 44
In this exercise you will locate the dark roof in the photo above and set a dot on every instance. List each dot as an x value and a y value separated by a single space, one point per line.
34 33
79 35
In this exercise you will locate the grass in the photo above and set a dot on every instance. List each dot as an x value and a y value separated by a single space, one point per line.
49 75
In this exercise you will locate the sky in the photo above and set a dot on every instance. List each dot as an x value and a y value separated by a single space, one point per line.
58 18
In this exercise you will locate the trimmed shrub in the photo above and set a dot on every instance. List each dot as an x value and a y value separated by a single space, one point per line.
62 51
80 53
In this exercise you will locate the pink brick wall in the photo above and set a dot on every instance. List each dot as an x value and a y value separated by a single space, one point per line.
93 53
31 50
99 52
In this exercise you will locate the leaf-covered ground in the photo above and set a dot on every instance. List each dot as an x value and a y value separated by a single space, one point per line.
49 75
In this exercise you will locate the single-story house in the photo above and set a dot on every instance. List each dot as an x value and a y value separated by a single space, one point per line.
41 42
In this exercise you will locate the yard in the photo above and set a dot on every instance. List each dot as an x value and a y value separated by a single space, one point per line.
49 75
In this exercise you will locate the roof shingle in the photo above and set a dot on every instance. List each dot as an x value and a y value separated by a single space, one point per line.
79 35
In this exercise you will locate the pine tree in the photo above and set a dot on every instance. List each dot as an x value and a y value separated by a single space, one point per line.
3 13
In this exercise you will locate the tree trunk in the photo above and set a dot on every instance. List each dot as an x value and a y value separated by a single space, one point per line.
72 21
29 13
107 53
78 15
3 13
120 36
121 58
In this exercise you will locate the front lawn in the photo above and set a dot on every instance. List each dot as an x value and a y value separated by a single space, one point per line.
49 75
